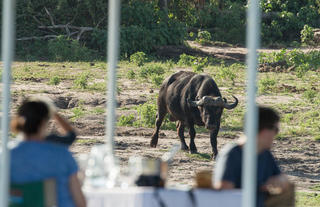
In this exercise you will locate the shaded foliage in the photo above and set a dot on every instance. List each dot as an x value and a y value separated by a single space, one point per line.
145 26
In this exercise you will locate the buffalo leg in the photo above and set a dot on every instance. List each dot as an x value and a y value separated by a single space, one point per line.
180 130
192 133
155 135
213 141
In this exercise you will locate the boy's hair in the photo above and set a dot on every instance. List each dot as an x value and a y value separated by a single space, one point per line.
268 118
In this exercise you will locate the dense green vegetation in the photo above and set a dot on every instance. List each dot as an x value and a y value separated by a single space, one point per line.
70 30
297 60
76 30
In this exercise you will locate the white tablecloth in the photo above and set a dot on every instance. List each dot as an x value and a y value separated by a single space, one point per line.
148 197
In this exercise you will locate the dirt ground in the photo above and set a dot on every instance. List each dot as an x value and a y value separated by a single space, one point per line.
299 158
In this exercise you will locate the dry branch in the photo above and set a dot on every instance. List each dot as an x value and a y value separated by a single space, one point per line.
42 37
60 26
50 17
37 38
67 27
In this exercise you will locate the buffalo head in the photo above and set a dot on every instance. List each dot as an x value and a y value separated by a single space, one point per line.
211 109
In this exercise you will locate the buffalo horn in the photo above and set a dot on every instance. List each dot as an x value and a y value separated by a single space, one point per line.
208 101
197 103
230 106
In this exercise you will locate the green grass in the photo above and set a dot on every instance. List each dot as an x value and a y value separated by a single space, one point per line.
304 199
64 70
99 87
267 84
88 141
98 110
78 112
55 80
317 138
315 187
126 120
200 156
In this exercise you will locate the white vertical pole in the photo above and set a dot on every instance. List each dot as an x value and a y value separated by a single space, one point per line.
113 53
249 170
8 37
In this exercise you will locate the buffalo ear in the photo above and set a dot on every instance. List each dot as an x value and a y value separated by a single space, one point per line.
192 103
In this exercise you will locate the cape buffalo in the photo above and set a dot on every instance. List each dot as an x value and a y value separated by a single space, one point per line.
190 99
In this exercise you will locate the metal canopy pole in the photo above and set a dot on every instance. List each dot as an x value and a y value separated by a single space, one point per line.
249 170
113 53
8 37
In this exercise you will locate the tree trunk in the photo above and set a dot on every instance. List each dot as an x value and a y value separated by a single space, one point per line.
200 4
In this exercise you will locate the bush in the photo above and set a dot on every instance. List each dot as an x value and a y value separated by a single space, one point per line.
302 62
302 69
156 79
285 20
78 112
307 35
143 28
126 120
131 74
204 37
186 60
147 114
146 118
82 81
266 85
150 69
138 58
199 64
32 51
138 38
55 80
310 94
227 73
230 23
63 49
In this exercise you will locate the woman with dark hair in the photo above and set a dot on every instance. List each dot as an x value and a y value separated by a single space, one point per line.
69 133
36 159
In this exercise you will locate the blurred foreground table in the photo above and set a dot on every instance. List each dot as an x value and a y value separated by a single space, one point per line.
151 197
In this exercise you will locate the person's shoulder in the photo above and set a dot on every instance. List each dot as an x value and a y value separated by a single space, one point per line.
43 148
267 154
56 146
59 151
53 147
229 151
230 148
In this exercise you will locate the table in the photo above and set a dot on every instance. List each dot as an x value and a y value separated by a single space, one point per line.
150 197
